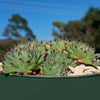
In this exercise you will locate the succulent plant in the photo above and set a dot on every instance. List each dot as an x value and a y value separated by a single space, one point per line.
34 45
23 59
41 48
55 45
82 53
56 64
55 57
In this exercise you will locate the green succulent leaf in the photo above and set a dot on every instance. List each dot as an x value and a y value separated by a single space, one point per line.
9 70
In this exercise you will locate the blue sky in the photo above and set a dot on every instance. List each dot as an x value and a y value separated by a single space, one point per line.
40 14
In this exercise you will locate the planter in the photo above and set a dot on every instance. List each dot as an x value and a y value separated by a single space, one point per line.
18 87
49 59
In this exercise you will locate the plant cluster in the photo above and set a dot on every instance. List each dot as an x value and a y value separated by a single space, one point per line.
52 58
82 53
57 63
23 59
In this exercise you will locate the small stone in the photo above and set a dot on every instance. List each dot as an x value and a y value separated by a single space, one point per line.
91 70
98 67
83 70
88 68
88 72
1 65
1 68
71 74
72 69
78 70
34 73
96 71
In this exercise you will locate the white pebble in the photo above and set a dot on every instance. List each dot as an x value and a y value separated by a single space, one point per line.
1 65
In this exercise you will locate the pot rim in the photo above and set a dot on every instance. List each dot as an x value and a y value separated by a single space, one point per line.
53 77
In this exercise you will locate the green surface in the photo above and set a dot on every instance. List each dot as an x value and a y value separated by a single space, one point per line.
48 88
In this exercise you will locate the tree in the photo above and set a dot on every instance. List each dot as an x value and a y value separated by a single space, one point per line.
87 29
17 28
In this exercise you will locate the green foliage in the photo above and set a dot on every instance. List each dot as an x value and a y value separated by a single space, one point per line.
87 29
16 27
57 64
